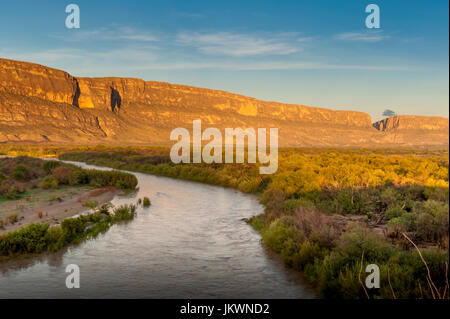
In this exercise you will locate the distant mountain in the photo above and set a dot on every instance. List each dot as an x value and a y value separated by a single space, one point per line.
41 104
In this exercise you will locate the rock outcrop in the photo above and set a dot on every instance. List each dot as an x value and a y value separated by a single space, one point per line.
412 122
41 104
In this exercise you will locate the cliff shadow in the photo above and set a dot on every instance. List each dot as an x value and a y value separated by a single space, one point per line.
116 100
76 96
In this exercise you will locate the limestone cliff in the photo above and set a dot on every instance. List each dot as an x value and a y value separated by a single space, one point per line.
412 122
41 104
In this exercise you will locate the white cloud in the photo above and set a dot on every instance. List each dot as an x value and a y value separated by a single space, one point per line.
373 36
238 45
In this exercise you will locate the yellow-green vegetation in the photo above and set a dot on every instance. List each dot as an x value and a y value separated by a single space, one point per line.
311 205
38 238
146 202
20 174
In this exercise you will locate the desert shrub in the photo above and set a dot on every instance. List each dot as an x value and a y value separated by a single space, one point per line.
29 239
278 233
62 174
292 204
48 166
393 212
124 212
73 228
388 197
437 193
91 204
308 253
407 222
20 173
55 238
118 179
12 193
49 182
12 219
348 201
78 177
432 220
146 202
104 209
433 207
249 185
358 239
316 226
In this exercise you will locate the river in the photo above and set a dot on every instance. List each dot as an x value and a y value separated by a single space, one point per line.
192 242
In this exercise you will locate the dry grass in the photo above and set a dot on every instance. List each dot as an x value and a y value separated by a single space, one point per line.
100 191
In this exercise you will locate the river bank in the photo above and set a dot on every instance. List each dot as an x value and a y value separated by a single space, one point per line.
52 206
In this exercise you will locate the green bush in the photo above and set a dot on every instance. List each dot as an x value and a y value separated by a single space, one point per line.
277 234
12 193
393 212
348 201
37 238
29 239
49 182
78 177
48 166
406 222
146 202
124 212
20 172
292 204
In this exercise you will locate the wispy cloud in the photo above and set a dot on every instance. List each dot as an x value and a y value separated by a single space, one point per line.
238 45
132 61
268 66
373 36
110 33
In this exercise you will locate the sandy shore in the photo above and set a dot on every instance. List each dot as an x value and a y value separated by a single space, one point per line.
48 207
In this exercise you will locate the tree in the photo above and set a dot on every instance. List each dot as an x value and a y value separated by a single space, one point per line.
388 112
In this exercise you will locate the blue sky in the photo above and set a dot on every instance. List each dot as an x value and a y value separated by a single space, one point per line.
316 53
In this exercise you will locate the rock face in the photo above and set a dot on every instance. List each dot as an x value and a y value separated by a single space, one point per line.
41 104
403 129
412 122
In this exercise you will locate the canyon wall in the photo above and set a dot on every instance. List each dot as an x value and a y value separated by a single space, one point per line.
41 104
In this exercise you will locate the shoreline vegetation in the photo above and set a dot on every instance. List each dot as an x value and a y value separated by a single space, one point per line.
328 212
39 238
42 190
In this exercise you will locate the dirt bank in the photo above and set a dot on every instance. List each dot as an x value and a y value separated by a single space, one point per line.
43 206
